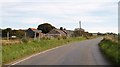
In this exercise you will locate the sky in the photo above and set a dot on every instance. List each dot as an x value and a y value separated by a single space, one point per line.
95 15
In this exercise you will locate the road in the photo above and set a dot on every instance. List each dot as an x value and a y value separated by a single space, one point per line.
79 53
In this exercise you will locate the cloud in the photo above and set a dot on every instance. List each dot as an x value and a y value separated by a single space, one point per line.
60 0
61 12
32 20
24 20
55 8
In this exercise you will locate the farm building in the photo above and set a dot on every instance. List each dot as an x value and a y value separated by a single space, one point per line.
32 32
68 32
79 32
56 32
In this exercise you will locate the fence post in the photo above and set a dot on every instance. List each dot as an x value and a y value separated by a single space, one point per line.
8 36
39 36
35 36
25 35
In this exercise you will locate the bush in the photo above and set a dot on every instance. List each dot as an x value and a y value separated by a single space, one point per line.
45 38
25 40
58 37
64 37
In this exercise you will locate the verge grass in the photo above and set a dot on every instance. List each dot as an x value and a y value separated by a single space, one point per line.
111 49
14 52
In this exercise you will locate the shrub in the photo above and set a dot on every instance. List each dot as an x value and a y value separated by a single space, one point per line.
64 37
58 37
25 40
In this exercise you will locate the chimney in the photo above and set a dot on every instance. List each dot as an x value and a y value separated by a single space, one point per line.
80 24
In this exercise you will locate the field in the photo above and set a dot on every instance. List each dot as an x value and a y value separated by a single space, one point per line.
111 48
10 42
17 51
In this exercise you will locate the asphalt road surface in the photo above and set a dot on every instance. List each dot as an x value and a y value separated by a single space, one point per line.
79 53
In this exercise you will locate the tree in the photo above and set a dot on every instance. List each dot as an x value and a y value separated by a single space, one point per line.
8 29
19 33
46 27
64 28
61 28
4 32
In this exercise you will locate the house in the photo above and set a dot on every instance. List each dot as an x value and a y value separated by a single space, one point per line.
33 33
56 33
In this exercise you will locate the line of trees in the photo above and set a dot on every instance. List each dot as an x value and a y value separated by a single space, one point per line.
17 33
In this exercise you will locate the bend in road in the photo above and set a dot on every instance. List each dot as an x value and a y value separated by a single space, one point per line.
80 53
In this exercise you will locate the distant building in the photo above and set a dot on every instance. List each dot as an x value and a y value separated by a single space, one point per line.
13 37
94 34
32 32
80 29
79 32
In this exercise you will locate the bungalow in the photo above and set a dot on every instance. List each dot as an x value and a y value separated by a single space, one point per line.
33 33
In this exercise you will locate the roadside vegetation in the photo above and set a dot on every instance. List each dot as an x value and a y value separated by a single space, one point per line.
17 44
111 48
16 51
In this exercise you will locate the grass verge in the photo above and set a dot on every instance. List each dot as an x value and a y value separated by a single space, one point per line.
111 50
13 52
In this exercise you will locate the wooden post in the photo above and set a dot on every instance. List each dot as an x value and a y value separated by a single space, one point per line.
39 36
25 35
35 36
8 36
